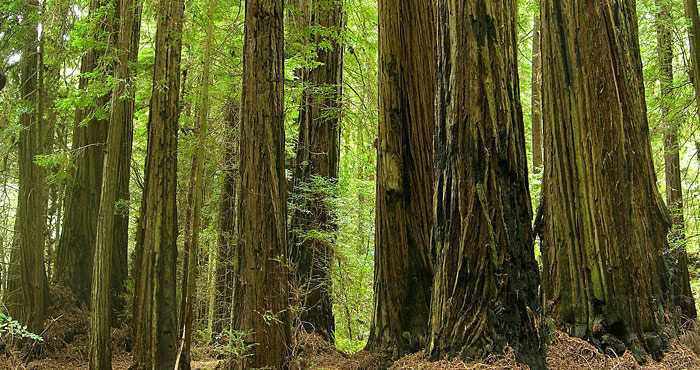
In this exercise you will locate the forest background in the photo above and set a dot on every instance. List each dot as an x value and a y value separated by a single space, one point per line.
66 31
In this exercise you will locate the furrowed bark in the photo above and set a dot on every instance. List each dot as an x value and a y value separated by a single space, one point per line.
155 319
678 258
318 155
403 270
603 223
261 295
102 296
75 250
485 291
31 200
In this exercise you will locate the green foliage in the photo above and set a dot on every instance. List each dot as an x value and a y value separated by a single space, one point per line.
58 167
13 329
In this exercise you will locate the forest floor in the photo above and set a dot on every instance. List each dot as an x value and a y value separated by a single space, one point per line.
66 343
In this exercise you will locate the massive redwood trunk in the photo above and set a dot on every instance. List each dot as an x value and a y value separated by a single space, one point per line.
485 291
403 269
603 223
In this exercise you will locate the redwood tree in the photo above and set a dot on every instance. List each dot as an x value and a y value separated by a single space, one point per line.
155 317
31 199
485 291
317 158
603 223
537 149
678 261
403 269
121 108
261 294
74 253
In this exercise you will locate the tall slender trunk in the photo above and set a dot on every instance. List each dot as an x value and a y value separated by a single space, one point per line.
192 238
693 25
403 270
32 201
603 223
261 295
155 317
678 261
102 296
120 246
537 149
485 292
226 241
316 172
74 253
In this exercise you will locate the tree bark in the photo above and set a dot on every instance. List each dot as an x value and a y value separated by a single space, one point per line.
102 296
603 223
403 269
317 158
485 292
32 201
74 253
120 269
192 238
226 241
155 316
261 295
678 259
693 20
537 149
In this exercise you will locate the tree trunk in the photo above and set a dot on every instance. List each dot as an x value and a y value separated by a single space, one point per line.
120 270
192 237
316 172
537 149
403 270
74 253
228 215
678 258
32 201
155 315
102 296
693 20
603 223
261 306
485 292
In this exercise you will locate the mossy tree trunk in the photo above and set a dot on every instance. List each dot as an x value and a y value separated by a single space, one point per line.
74 253
226 239
485 291
603 223
155 315
403 269
31 200
102 295
312 231
195 199
678 258
261 296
